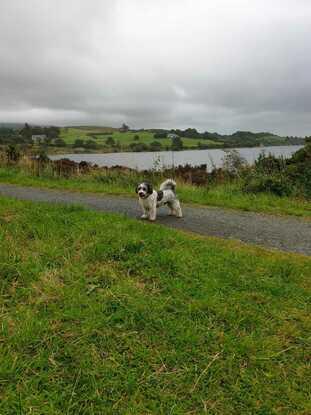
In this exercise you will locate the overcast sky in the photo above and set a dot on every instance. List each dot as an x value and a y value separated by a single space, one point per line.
217 65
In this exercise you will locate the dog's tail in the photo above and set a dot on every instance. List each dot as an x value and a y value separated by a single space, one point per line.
168 184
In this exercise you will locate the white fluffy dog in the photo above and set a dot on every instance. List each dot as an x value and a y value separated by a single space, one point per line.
150 199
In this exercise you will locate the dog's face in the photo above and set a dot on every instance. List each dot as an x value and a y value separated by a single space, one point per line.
144 190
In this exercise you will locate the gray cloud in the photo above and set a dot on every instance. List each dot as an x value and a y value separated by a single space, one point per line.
213 65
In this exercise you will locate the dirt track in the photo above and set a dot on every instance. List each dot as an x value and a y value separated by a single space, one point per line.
283 233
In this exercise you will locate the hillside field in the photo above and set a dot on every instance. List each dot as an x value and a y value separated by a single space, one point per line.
69 135
124 139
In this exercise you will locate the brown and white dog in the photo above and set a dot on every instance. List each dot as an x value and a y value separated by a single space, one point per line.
150 199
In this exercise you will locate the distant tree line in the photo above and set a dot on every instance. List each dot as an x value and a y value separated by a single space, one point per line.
237 139
24 135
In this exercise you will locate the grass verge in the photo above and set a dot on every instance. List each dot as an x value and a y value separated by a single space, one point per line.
227 195
101 314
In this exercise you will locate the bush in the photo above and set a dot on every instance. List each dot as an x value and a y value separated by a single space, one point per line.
42 156
139 147
276 184
59 142
234 163
160 135
177 144
78 143
12 153
203 146
110 141
91 144
116 179
155 146
270 164
299 170
280 176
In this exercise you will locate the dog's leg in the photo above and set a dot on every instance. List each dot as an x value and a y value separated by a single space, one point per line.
153 212
145 214
176 208
170 206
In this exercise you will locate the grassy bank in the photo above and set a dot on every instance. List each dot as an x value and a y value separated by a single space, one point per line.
104 315
227 195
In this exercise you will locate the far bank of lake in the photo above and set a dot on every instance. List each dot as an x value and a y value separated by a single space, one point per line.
148 160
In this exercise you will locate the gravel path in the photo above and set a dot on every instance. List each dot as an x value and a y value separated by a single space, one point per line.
283 233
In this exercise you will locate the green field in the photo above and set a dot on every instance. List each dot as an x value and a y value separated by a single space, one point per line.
99 135
69 135
104 315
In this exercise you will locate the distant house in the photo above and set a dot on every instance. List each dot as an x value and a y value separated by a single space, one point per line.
38 138
124 129
172 135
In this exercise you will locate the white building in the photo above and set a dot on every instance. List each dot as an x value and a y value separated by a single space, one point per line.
172 135
38 138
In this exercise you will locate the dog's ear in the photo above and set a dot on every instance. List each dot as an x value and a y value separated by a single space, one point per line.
136 189
149 188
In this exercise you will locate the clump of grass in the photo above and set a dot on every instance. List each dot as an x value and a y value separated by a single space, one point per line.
104 315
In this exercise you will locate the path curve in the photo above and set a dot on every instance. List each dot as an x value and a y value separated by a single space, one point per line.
283 233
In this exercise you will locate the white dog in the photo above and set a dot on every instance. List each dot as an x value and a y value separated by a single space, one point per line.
150 199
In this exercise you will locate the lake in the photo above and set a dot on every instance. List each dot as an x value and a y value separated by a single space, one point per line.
149 160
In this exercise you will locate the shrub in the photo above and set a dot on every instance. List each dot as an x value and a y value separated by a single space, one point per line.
177 143
59 142
160 135
91 144
299 170
155 146
269 164
42 157
116 179
78 143
139 147
12 153
234 163
275 184
110 141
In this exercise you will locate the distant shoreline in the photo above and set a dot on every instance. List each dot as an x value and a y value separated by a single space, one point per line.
72 150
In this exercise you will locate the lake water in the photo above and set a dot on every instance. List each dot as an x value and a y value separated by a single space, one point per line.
149 160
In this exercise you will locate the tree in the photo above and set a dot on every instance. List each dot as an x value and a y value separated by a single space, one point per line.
42 156
191 133
160 135
124 128
177 143
110 141
136 137
78 143
52 132
26 132
234 163
12 153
